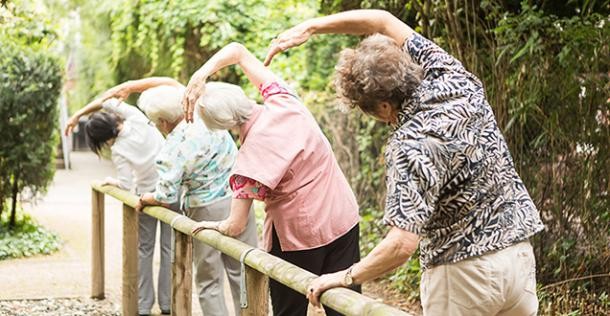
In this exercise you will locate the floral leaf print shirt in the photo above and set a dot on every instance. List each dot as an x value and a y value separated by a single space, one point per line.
197 160
450 177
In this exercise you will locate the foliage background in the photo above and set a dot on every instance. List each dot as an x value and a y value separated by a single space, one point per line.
30 83
544 64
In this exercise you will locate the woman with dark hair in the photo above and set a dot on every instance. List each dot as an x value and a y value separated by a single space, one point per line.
101 128
132 142
452 188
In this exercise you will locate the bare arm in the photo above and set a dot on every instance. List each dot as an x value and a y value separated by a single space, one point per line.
232 54
356 22
235 224
91 107
389 254
120 92
123 90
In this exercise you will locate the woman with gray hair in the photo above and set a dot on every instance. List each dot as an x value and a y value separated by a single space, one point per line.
311 212
193 167
452 187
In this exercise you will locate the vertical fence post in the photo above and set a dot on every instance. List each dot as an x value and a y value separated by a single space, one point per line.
257 285
130 261
97 244
182 275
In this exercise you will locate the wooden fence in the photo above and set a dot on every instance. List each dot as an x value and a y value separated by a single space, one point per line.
259 265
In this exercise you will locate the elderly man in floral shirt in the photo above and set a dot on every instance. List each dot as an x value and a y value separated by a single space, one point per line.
194 166
452 187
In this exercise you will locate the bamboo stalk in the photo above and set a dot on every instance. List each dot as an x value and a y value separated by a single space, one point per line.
342 300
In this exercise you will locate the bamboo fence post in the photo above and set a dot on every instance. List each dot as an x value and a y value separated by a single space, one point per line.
97 244
182 274
130 261
257 287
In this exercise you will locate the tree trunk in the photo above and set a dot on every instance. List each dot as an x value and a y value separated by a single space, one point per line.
14 206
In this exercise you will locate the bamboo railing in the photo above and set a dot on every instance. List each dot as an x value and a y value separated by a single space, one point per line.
259 265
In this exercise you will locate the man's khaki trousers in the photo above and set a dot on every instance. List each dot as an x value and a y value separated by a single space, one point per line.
498 283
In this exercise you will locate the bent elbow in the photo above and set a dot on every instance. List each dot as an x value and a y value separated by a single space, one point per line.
406 245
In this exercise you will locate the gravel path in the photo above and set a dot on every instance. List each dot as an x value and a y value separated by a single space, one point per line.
57 307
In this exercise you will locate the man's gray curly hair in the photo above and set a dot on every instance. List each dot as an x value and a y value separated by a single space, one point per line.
377 70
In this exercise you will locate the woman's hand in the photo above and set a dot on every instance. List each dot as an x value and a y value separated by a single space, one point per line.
194 90
71 124
292 37
111 181
323 283
120 92
206 225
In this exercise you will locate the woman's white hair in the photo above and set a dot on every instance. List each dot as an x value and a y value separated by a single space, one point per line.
162 102
224 106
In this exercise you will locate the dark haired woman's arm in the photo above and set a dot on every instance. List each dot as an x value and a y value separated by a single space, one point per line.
123 90
356 22
232 54
91 107
120 92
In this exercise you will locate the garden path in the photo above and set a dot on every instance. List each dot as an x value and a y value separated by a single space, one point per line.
66 210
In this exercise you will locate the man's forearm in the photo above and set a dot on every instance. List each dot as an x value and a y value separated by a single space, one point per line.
361 22
357 22
392 252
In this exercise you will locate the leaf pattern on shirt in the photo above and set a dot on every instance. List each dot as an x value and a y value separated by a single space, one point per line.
450 177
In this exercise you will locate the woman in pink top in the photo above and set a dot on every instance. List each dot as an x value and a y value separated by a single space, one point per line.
286 161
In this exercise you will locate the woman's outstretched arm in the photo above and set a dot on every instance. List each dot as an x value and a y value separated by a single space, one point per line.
120 92
356 22
232 54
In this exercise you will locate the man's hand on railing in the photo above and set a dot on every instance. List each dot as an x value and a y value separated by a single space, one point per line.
323 283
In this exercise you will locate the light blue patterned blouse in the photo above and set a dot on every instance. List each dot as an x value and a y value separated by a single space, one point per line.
195 163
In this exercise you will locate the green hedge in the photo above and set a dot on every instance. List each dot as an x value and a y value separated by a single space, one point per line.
30 83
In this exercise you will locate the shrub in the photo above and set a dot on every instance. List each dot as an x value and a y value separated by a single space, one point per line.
30 83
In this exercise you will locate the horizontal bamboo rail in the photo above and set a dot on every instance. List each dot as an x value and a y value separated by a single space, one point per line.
343 300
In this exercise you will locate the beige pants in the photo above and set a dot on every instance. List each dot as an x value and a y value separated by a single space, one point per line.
499 283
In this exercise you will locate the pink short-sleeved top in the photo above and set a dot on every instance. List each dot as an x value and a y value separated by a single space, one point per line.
308 200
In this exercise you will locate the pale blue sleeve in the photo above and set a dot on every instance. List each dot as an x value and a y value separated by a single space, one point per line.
170 167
